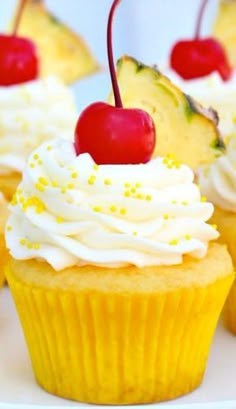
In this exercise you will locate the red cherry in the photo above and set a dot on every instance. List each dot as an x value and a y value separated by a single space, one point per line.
18 57
115 135
18 60
201 56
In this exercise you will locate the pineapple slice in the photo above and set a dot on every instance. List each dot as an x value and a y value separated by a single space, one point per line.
224 28
61 51
182 126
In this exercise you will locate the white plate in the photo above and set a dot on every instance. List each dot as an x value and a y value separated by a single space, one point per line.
19 389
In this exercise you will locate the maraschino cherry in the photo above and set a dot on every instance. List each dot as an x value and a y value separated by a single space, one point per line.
18 56
201 56
115 135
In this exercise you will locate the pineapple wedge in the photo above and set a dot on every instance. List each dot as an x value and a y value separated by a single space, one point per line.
224 28
182 126
61 51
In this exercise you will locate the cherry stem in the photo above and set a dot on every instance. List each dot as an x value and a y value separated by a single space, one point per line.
116 91
199 19
18 16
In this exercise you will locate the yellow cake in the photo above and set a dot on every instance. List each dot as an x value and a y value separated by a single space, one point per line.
115 282
3 251
218 184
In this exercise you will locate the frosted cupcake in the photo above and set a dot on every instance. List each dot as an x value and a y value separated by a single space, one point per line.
30 114
218 184
93 248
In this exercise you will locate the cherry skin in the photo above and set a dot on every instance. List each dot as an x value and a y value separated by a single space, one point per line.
115 135
18 60
199 58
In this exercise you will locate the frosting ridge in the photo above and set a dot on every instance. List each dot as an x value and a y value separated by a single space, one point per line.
70 211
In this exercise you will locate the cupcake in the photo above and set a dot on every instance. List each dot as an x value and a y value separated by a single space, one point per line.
218 185
31 113
115 278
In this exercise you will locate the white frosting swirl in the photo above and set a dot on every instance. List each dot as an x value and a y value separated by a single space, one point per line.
30 114
218 181
70 211
212 91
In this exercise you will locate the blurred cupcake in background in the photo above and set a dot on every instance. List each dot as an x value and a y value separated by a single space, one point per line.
35 104
202 69
218 184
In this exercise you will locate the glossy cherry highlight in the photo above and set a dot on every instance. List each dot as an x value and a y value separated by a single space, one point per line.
201 56
18 56
113 134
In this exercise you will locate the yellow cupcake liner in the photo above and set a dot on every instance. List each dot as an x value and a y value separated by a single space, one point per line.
229 311
119 348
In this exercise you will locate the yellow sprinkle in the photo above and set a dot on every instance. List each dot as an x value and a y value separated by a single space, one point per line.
113 208
59 219
43 181
203 199
127 184
49 148
187 237
36 156
166 216
97 209
107 182
173 242
39 187
127 193
36 246
91 180
184 202
135 233
32 165
63 190
133 190
95 166
148 197
40 162
22 242
54 184
174 201
123 211
21 199
165 161
70 186
9 228
214 226
29 245
138 185
74 175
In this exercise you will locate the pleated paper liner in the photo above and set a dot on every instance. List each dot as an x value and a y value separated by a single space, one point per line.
119 348
229 312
